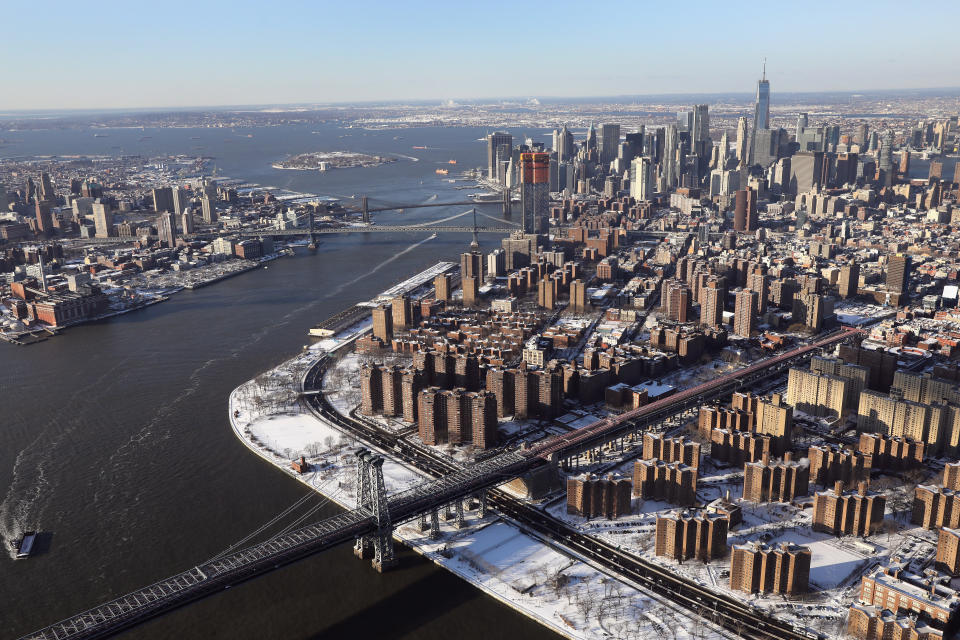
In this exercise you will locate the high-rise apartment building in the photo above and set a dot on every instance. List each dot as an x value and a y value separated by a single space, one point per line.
683 535
744 320
775 480
935 506
383 322
441 287
948 550
672 482
457 416
830 464
851 513
711 307
578 295
471 290
892 452
535 191
784 569
591 497
659 447
402 310
675 298
816 393
898 273
745 211
849 280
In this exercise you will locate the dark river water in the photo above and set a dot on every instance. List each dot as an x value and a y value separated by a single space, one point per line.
114 436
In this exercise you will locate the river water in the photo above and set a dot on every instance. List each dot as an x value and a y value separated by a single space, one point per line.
114 436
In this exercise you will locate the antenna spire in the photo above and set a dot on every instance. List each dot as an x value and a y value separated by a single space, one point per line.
764 69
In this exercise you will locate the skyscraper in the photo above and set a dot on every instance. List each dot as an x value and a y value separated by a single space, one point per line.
186 221
609 140
181 200
743 319
745 211
898 272
761 112
641 178
46 188
885 158
167 228
743 141
494 140
534 190
209 210
563 144
668 166
102 220
163 199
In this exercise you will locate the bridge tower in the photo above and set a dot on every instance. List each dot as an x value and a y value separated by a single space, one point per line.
506 202
372 499
365 209
361 548
475 245
313 238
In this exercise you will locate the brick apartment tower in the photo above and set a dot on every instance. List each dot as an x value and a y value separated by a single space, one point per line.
682 536
783 569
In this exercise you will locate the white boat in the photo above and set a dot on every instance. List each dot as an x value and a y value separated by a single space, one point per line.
25 545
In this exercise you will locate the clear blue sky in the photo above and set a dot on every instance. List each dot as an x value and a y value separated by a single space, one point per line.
173 53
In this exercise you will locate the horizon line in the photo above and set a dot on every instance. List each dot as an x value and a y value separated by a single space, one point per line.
439 102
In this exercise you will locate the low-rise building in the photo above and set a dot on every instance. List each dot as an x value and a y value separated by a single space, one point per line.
867 622
928 596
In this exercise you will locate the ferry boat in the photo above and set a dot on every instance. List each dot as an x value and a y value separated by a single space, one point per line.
451 162
25 545
419 147
443 172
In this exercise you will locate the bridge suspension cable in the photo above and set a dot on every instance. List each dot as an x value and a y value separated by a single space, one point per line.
264 526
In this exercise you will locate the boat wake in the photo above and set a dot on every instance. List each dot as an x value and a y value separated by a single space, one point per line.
25 501
412 247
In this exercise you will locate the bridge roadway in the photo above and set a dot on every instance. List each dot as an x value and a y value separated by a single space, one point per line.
395 228
451 484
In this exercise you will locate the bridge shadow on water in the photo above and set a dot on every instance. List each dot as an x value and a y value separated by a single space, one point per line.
410 608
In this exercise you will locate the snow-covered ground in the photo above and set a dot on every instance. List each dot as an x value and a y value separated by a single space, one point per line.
560 591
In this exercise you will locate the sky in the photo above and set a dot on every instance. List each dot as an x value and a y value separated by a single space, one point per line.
109 54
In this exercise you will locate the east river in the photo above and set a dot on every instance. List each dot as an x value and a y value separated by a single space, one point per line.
114 436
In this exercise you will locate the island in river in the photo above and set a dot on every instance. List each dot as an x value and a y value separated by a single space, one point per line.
323 160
